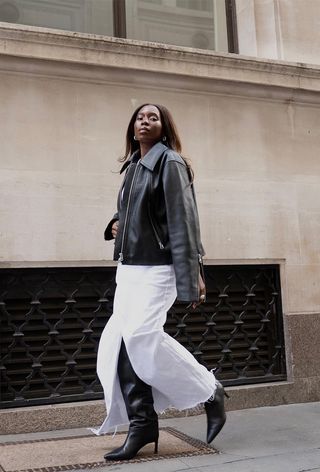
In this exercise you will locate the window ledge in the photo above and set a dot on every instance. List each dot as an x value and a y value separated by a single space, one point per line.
36 43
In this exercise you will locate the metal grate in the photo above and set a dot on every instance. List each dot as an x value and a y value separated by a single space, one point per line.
51 321
239 331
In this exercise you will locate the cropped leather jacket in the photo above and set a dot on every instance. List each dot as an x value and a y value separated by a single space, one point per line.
158 218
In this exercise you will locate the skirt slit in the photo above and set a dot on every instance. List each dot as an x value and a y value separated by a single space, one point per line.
144 294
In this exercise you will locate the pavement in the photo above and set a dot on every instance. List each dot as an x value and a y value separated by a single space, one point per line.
283 438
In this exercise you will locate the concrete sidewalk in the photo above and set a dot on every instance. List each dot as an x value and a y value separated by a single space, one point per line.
271 439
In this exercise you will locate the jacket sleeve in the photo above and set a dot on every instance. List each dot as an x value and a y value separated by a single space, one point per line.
107 232
183 229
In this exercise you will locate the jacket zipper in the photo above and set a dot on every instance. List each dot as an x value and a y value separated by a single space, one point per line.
127 212
161 246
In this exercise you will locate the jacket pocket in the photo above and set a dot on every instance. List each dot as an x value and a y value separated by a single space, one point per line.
156 232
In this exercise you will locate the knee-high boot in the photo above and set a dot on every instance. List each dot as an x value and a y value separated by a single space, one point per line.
143 419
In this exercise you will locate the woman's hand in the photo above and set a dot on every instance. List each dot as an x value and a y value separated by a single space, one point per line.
114 228
202 294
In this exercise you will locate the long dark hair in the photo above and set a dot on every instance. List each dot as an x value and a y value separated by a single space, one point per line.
169 131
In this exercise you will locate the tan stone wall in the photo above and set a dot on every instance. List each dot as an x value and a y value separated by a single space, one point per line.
256 164
279 29
255 152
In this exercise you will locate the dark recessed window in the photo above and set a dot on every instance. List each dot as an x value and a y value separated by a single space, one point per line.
204 24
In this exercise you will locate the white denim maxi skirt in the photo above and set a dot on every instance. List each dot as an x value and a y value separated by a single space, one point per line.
143 296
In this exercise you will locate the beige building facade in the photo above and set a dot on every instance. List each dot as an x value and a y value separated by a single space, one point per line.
250 122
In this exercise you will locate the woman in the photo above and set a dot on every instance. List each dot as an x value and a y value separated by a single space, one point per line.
157 244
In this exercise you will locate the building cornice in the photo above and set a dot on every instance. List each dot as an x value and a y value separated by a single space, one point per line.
72 48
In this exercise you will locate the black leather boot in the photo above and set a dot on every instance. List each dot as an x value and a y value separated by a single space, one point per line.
216 415
137 395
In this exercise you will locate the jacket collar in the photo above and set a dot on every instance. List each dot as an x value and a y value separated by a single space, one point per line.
150 159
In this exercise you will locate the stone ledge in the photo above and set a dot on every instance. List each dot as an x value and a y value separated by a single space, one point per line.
88 49
110 263
148 79
92 413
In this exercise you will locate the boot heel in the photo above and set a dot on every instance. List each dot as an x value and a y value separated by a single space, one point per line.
156 447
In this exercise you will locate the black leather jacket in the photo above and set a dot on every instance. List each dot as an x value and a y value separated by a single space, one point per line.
158 218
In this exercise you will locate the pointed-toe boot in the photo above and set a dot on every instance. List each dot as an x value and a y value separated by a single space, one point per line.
136 439
137 395
216 415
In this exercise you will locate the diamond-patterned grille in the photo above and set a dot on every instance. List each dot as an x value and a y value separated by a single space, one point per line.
51 321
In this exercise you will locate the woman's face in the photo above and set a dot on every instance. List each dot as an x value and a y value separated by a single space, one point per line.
148 126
